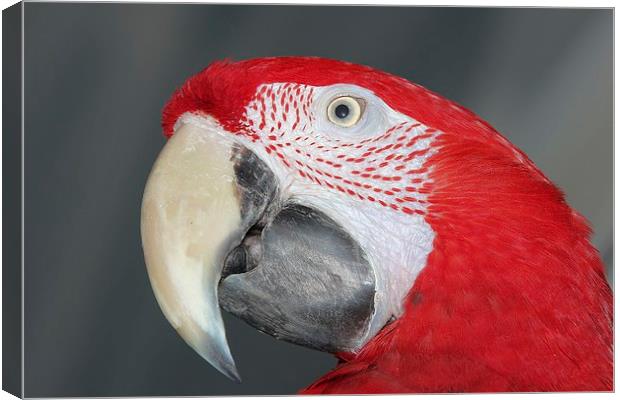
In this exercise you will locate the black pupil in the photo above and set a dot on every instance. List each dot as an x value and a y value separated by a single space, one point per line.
342 111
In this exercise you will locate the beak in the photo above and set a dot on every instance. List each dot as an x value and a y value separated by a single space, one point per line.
217 230
191 219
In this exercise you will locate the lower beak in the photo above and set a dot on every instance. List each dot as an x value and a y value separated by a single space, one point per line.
191 219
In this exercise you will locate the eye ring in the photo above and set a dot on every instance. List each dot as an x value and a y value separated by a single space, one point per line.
345 111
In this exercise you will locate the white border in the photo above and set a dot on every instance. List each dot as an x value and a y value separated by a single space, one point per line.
407 3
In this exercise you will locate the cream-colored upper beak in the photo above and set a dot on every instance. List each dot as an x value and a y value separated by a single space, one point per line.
190 212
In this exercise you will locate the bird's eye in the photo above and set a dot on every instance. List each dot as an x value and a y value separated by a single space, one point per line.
345 111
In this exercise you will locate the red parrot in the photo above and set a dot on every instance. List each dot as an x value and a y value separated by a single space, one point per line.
345 209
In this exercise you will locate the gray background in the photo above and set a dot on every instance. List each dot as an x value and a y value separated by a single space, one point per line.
96 79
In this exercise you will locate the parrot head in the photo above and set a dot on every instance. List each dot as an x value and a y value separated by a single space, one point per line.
322 201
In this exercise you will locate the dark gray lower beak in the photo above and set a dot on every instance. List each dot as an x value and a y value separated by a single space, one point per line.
311 284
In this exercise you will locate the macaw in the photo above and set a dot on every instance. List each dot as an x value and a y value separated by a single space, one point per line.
345 209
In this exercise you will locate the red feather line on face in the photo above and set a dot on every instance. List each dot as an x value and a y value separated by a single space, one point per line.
513 296
369 170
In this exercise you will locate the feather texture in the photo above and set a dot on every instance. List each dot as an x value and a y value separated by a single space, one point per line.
513 297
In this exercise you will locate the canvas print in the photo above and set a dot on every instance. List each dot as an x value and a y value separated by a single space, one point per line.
423 206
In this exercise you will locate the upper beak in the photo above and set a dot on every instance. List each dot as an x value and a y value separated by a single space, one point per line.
191 219
214 219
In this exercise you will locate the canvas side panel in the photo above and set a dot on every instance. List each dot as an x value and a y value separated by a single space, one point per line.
12 200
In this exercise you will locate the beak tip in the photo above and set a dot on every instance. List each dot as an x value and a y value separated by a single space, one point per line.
227 368
215 350
234 376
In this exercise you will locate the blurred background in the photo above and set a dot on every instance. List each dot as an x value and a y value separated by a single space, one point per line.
96 79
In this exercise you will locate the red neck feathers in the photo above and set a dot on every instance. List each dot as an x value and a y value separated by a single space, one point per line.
513 296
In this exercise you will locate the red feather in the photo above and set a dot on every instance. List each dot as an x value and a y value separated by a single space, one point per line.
513 297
